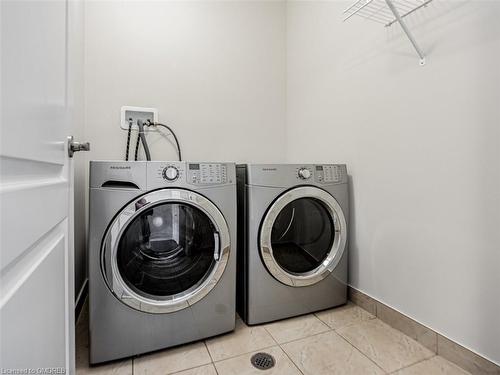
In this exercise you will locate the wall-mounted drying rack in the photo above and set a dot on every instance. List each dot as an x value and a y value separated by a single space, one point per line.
388 12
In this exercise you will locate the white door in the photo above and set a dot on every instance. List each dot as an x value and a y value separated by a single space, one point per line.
36 246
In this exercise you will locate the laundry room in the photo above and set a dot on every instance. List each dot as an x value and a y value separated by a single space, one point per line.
250 187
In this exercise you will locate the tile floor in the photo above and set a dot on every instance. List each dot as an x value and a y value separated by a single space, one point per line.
345 340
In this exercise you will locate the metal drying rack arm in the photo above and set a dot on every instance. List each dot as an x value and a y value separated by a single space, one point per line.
406 30
377 11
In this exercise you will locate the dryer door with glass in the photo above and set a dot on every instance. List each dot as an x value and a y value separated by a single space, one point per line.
303 236
165 250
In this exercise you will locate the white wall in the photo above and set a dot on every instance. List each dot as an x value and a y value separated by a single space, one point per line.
422 144
423 148
214 70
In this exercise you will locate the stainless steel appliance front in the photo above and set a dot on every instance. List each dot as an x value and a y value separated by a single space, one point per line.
156 255
303 236
162 259
292 239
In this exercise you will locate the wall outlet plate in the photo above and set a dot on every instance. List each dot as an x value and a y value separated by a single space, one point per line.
137 113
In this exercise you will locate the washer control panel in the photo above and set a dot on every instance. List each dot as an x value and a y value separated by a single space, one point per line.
207 173
165 173
304 173
170 173
329 173
188 174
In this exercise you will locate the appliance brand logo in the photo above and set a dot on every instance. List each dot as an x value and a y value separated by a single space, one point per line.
119 167
269 169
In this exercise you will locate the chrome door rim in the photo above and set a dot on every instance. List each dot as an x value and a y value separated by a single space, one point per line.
180 300
335 253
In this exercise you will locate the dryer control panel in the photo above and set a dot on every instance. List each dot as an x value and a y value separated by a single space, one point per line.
329 173
288 175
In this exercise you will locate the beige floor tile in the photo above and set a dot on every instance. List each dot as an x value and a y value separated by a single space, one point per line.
243 340
203 370
113 368
241 365
172 360
295 328
434 366
343 316
389 348
329 354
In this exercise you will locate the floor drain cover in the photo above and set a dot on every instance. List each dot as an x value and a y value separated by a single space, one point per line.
262 361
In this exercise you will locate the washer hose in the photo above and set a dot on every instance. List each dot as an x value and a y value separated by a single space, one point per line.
150 123
142 137
137 143
129 133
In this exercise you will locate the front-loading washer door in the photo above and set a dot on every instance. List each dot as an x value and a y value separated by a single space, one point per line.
303 236
165 250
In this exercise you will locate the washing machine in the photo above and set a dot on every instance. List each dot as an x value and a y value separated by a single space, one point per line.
162 260
292 242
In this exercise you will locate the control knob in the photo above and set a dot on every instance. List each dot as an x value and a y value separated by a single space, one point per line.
304 173
170 173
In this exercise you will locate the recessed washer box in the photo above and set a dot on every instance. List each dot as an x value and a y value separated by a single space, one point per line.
137 113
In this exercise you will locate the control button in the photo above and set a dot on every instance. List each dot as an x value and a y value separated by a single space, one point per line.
304 173
170 173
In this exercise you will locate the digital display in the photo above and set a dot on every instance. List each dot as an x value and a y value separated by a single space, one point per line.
319 167
194 167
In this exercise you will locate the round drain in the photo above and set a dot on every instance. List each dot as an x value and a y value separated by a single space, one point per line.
262 361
